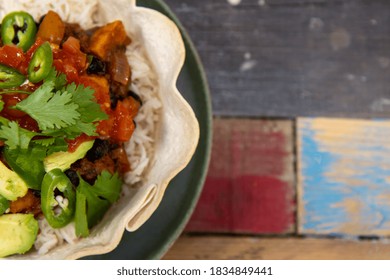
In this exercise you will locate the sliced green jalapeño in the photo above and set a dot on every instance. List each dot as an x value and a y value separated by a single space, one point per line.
10 78
58 208
18 28
40 64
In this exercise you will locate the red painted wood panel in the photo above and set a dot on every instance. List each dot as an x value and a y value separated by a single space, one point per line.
250 184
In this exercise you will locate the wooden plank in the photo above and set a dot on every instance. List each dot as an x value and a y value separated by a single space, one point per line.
254 248
291 58
344 176
250 183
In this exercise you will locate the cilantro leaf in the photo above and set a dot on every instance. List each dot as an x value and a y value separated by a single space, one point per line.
108 186
89 110
80 127
58 79
71 132
50 110
92 202
15 136
62 110
46 142
51 145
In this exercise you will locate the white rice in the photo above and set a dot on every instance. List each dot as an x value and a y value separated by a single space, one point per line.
144 83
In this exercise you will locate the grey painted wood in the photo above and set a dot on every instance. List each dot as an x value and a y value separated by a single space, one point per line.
287 58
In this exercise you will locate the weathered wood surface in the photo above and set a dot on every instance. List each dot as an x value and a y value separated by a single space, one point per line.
343 176
250 248
289 58
250 187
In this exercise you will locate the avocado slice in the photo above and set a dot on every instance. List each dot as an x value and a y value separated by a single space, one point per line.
63 160
17 233
11 185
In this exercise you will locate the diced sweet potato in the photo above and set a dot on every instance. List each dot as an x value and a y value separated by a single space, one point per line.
52 28
107 38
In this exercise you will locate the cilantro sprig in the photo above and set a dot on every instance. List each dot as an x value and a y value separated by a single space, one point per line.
92 202
63 110
51 110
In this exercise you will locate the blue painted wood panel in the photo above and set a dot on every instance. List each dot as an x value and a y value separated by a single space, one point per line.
343 176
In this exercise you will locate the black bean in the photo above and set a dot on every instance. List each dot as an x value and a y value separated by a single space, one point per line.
99 149
96 66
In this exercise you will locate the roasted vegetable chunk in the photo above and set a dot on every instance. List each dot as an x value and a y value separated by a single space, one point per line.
107 38
52 28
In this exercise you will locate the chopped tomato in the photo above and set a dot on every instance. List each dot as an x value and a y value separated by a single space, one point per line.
70 60
132 106
72 75
120 125
124 125
24 120
104 127
71 48
28 123
11 100
12 56
70 54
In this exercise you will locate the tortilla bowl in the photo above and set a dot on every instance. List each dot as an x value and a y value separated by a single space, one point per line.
175 136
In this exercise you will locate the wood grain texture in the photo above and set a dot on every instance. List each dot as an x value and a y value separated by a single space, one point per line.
344 176
250 182
251 248
292 58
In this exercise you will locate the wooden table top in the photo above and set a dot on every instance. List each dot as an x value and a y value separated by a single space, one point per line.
300 161
290 58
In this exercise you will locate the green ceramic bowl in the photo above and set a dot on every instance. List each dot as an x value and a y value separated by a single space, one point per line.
156 236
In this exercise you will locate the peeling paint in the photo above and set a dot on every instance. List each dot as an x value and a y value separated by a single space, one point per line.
346 192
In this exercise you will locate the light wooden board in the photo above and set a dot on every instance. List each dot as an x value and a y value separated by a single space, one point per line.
343 176
250 187
247 248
